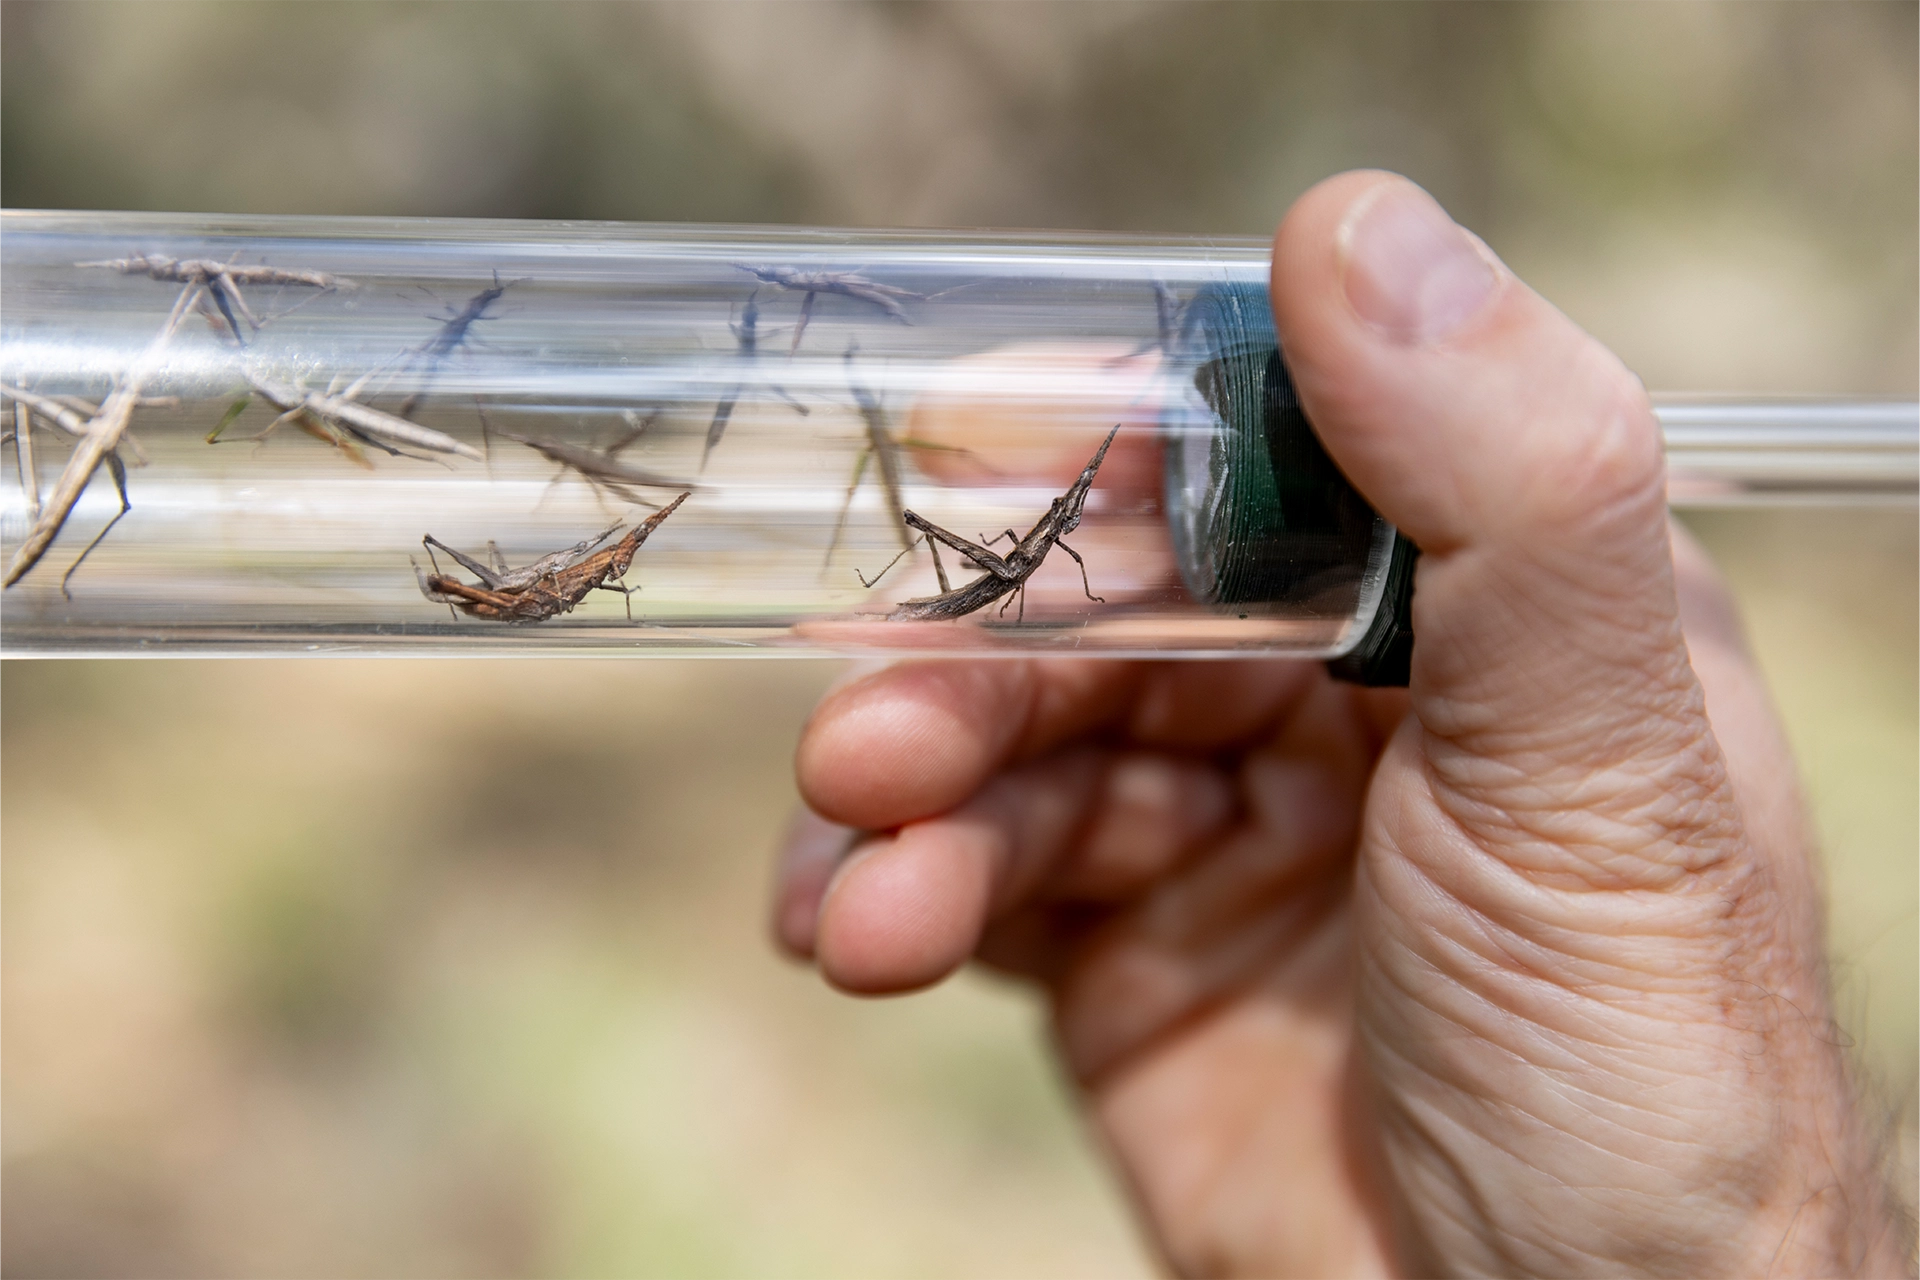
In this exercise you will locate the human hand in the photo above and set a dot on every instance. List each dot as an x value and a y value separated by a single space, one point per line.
1519 970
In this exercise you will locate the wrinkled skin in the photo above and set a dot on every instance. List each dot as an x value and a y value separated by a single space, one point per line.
1519 970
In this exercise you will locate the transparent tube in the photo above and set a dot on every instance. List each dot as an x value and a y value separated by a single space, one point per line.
405 436
1746 452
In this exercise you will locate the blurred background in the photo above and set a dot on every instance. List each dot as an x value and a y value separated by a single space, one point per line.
458 968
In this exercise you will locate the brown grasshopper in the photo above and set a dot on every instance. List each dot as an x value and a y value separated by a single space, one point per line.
100 441
73 423
550 586
847 284
1007 574
221 280
70 414
334 417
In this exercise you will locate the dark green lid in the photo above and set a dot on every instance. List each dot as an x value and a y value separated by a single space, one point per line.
1262 519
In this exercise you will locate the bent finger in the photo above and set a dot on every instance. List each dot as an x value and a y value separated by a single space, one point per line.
913 740
906 910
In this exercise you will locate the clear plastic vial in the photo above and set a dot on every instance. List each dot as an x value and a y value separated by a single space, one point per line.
432 436
821 399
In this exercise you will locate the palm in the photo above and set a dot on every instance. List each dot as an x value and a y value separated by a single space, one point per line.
1202 984
1169 850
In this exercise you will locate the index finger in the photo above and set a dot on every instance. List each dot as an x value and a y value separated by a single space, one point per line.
916 739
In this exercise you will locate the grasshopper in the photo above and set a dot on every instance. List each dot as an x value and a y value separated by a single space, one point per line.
603 469
70 417
845 283
884 451
1005 575
550 586
747 333
100 440
452 336
333 417
221 280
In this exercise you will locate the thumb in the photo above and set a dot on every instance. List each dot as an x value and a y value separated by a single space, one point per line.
1525 461
1528 1035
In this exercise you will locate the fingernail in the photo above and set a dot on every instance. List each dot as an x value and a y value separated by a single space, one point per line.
1410 270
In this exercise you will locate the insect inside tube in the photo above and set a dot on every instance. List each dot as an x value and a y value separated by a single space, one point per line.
453 335
222 281
883 450
602 469
1004 574
880 449
747 333
100 440
337 417
300 416
549 586
846 283
71 416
